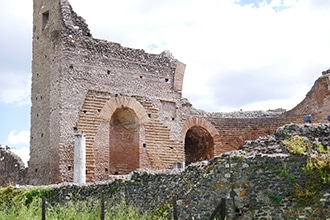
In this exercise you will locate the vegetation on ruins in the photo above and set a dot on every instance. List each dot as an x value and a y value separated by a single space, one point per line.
317 166
297 144
26 203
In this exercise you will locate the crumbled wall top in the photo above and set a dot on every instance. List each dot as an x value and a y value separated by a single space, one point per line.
8 153
74 23
272 145
76 27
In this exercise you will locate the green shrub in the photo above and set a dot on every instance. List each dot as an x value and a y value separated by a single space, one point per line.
319 166
25 204
297 144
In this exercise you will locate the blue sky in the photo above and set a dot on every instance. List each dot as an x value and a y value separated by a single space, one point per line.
255 3
240 54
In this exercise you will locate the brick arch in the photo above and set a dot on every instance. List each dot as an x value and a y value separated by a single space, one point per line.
123 101
199 122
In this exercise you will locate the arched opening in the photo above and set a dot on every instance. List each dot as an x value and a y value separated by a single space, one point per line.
124 141
199 145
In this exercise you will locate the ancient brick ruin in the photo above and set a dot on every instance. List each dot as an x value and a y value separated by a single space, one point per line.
129 105
12 169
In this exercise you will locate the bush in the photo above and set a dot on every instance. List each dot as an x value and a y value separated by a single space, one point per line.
297 144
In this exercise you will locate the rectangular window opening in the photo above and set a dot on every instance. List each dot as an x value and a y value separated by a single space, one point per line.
45 20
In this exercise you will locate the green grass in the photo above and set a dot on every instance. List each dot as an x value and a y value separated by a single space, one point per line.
21 204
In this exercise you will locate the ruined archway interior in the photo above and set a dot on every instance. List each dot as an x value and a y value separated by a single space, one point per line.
199 145
124 141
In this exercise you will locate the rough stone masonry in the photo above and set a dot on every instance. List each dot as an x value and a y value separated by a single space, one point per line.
129 105
262 180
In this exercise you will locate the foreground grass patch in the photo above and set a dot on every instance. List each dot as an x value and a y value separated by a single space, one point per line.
26 203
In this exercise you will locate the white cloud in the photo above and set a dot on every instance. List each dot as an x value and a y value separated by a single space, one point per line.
20 142
24 154
15 51
15 87
22 137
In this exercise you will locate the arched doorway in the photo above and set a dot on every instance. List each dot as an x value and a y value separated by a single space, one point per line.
199 145
124 141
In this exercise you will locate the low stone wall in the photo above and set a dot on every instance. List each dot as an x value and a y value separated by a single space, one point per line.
261 181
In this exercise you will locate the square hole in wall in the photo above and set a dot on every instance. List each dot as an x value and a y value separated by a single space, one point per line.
45 20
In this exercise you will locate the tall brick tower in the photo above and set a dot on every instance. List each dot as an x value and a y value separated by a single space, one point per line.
43 164
53 21
125 100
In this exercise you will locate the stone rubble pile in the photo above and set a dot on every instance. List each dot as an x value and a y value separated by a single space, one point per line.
263 146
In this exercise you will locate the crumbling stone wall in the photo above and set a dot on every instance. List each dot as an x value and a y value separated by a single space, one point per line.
12 169
258 182
128 102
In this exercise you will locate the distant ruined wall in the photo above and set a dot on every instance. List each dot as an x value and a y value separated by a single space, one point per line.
317 100
235 128
12 169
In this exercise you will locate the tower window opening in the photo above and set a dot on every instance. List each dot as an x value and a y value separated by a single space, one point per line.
45 20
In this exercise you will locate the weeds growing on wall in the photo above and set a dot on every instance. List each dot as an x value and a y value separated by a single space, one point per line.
297 144
275 198
317 166
24 204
